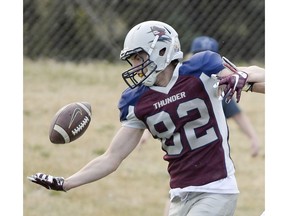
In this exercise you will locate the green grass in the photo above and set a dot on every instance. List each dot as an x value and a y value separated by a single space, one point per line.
140 185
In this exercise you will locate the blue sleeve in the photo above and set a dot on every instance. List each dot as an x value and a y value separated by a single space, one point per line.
230 109
207 62
129 98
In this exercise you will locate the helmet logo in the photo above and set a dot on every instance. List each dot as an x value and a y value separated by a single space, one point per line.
161 32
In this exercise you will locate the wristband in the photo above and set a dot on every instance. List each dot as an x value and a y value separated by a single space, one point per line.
248 86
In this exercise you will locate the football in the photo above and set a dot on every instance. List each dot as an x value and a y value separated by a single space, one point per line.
70 122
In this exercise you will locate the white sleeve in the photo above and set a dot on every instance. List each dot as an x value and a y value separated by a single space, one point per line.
132 121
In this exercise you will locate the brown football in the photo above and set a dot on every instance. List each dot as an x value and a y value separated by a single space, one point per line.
70 122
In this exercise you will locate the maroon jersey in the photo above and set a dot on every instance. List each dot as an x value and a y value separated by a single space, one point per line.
188 119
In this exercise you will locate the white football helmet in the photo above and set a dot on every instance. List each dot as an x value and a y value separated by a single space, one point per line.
160 41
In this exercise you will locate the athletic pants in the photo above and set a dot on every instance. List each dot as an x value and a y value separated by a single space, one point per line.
204 204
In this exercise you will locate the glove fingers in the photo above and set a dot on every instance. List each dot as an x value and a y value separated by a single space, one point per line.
223 81
48 181
229 96
41 179
235 81
42 183
238 96
227 88
42 176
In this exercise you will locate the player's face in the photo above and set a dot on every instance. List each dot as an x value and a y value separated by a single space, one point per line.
137 60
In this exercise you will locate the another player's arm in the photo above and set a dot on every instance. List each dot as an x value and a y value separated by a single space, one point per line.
121 146
256 75
258 87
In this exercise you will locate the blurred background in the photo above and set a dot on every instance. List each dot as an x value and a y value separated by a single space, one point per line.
71 52
84 30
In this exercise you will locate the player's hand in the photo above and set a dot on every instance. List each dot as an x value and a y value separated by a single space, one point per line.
234 82
48 181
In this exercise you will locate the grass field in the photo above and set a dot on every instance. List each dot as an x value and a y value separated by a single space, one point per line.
140 185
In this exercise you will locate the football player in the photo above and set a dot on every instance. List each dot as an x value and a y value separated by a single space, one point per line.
178 103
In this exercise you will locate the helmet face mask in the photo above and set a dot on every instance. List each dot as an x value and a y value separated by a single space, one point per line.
159 41
139 73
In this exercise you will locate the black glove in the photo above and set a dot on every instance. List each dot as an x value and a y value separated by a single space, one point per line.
48 181
233 82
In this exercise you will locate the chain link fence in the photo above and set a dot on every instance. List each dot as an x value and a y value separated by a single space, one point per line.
84 30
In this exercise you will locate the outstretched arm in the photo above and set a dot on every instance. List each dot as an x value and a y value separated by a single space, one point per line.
256 75
121 146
